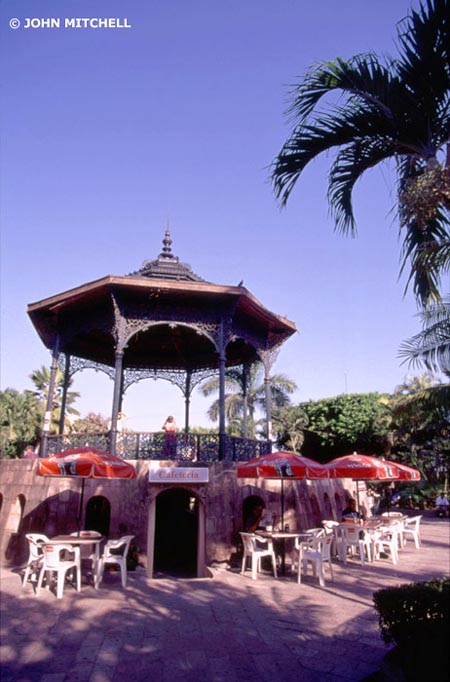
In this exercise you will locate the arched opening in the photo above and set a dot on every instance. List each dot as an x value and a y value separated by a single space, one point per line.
317 516
339 507
327 506
176 533
17 545
98 515
18 511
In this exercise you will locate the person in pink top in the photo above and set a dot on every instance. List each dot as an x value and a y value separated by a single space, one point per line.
170 429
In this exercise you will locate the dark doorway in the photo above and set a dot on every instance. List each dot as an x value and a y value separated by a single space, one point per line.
98 515
176 532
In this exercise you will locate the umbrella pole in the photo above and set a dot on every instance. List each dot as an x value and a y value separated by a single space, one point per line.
80 510
283 542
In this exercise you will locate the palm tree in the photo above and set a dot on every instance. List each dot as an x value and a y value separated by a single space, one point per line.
421 421
291 423
41 380
392 109
431 348
280 385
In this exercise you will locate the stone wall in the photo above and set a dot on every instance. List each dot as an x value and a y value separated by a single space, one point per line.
33 503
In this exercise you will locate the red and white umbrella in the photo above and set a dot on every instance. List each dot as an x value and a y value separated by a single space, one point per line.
362 468
85 462
280 466
406 473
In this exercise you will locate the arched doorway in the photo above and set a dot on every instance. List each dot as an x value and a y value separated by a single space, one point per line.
176 533
98 515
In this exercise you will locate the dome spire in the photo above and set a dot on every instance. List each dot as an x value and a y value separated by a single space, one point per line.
167 266
167 243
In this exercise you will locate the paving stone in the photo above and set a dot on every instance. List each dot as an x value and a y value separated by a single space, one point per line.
228 629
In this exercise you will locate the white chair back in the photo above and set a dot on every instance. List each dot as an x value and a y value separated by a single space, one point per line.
316 532
115 552
36 552
255 548
411 527
55 562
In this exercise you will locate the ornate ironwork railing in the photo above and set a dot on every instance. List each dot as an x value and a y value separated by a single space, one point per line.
192 447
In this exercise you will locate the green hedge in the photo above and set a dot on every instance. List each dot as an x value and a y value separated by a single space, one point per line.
415 612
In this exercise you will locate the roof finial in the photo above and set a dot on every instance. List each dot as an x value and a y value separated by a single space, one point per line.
167 242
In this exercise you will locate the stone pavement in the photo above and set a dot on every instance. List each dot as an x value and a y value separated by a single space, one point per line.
225 629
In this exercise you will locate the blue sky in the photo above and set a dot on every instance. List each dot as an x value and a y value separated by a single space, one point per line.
105 132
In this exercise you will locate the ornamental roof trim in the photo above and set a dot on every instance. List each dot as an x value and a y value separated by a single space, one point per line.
167 266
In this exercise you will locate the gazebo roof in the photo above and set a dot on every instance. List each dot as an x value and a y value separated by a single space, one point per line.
179 306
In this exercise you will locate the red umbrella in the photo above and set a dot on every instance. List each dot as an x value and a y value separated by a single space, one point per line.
363 468
281 465
406 473
85 462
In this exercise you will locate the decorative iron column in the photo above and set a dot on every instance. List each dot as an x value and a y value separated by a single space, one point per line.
222 360
64 393
117 398
265 357
187 400
245 376
49 405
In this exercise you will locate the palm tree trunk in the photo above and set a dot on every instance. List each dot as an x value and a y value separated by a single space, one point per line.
51 390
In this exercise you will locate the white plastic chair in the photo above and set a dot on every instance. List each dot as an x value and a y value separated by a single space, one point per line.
54 561
386 539
317 552
36 552
115 553
329 525
354 538
411 527
254 550
315 532
397 518
86 551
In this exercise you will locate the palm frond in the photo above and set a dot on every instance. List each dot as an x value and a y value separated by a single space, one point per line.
399 109
362 75
424 49
430 347
349 166
420 239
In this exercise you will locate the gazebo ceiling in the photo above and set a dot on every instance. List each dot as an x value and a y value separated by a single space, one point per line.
170 312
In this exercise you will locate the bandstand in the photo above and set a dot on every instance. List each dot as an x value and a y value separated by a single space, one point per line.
161 322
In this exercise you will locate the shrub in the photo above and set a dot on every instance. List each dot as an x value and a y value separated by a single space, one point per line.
414 612
416 617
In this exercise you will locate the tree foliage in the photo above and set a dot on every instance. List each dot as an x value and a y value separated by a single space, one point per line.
281 388
406 426
389 109
20 420
430 348
90 424
421 426
348 422
289 427
41 380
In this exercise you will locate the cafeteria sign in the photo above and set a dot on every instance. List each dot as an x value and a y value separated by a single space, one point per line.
178 475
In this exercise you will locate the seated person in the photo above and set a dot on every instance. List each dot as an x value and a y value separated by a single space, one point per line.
350 512
442 504
253 519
